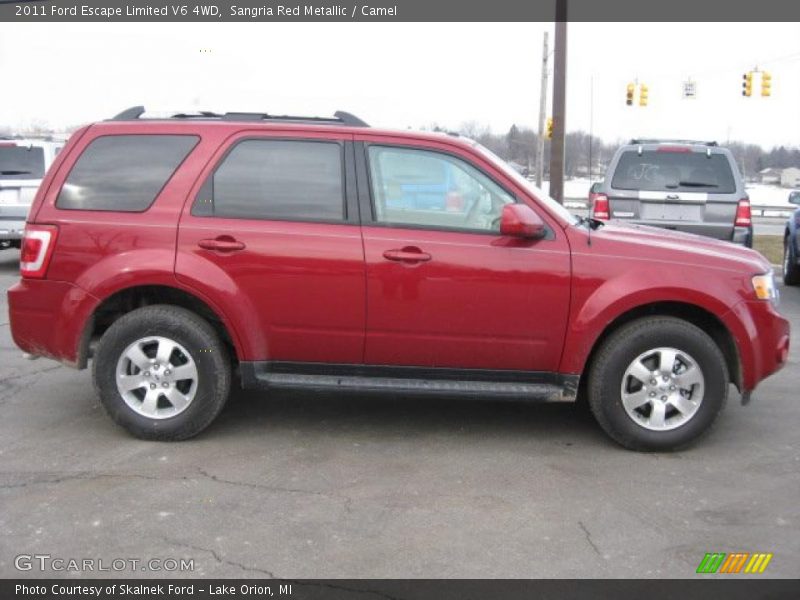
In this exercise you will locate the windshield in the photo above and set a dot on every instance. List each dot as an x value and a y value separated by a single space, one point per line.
21 162
522 181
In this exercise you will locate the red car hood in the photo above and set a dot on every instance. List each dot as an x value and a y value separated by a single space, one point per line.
654 243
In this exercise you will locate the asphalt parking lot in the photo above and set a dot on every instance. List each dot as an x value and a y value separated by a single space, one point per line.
305 485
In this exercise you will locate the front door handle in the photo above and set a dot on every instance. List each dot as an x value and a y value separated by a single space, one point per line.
409 254
223 243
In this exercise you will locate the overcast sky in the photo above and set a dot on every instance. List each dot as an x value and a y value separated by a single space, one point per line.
408 74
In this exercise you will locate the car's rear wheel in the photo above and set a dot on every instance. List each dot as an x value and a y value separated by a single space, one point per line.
162 373
657 383
791 272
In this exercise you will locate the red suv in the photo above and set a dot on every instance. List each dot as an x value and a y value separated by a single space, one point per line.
324 254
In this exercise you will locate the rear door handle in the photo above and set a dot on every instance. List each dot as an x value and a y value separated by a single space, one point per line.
409 254
222 244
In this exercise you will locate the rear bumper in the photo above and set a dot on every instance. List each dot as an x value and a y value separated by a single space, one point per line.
737 235
12 227
48 318
762 336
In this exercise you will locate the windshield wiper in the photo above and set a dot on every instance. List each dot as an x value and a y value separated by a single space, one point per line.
14 172
696 184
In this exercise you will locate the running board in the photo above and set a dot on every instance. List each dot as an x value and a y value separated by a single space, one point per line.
543 387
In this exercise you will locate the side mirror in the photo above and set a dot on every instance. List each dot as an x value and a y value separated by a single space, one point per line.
520 220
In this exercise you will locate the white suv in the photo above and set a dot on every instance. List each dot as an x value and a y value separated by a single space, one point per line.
23 163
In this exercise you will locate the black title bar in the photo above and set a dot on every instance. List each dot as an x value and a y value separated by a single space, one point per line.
403 11
734 588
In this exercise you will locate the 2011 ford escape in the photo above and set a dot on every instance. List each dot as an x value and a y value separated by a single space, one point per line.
680 185
321 253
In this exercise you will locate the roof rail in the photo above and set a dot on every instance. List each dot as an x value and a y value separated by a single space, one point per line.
660 141
340 117
134 112
349 119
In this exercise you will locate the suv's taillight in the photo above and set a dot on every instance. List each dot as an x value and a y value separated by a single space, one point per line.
599 206
38 243
743 216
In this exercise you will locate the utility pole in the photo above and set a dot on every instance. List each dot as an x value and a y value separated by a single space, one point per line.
542 114
559 104
591 123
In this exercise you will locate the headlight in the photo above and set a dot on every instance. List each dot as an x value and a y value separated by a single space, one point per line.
764 287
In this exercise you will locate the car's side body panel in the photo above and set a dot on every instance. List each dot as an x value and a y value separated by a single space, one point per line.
608 282
482 301
322 293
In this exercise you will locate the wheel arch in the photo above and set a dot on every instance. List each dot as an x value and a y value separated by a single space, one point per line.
122 301
696 315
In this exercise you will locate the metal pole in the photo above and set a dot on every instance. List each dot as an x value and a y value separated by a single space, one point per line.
591 124
559 104
542 114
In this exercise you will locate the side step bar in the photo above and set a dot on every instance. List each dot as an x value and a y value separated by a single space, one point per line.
543 387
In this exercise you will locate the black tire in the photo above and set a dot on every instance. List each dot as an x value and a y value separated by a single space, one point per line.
202 343
622 348
791 272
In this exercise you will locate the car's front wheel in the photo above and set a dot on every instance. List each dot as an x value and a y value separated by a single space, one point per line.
791 272
162 373
657 383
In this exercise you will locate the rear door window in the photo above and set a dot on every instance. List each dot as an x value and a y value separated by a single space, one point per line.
276 180
660 171
123 172
21 162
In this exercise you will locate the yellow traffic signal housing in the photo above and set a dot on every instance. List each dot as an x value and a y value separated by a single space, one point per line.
629 94
747 84
549 131
766 84
643 89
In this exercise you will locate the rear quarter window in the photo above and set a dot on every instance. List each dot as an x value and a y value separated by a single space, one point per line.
674 171
123 173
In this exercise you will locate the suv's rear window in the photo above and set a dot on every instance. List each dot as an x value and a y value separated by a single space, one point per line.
123 172
21 162
276 179
674 172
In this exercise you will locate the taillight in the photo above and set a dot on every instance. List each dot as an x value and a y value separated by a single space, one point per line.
38 243
743 216
600 207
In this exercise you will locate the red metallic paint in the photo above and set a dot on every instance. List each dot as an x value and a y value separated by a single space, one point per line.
326 292
478 303
296 290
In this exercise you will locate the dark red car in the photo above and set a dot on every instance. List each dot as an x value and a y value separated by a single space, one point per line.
324 254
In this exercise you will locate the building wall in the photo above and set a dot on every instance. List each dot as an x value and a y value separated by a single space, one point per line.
790 177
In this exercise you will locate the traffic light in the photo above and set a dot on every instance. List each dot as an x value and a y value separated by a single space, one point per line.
549 131
747 84
629 94
766 84
642 95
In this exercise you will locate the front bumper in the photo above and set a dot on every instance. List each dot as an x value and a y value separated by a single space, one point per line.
762 337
